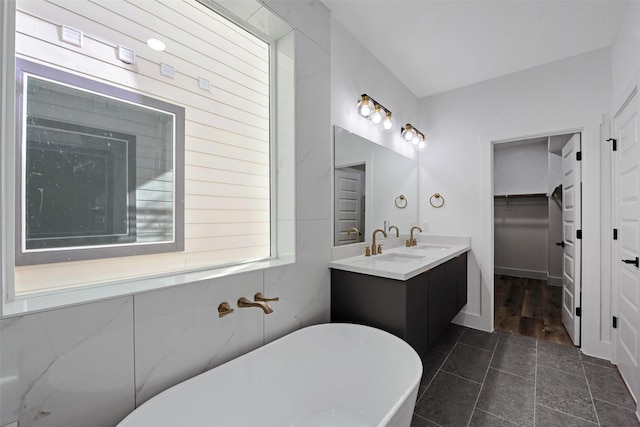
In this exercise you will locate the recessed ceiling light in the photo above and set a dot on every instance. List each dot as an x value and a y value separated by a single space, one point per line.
156 44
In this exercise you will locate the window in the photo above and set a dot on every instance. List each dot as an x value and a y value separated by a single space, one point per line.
127 209
85 191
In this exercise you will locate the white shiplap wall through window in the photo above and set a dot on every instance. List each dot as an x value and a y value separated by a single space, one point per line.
227 129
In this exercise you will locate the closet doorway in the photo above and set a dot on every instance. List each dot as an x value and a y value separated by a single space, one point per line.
536 252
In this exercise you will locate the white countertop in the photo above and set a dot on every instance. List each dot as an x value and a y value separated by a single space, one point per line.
400 262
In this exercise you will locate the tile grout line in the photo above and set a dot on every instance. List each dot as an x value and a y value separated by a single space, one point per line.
483 380
435 375
595 411
439 368
613 404
497 416
459 376
568 414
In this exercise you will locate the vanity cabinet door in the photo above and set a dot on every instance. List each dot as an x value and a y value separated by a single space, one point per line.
442 301
369 300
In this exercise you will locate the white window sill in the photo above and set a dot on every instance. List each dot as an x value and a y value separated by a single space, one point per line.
64 298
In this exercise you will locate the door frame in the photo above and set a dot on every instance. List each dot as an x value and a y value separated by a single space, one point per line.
596 292
494 145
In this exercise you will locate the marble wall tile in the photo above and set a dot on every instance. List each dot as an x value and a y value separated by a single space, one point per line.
69 367
304 287
313 131
178 333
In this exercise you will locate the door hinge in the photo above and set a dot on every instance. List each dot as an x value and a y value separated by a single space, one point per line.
614 143
579 234
615 234
579 155
579 311
615 322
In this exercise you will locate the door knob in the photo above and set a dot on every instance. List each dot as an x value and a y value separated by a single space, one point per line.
560 244
635 262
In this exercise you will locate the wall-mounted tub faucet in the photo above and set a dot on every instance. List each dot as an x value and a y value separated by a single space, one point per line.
244 303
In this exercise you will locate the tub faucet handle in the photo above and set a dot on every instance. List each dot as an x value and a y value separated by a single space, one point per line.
224 309
259 297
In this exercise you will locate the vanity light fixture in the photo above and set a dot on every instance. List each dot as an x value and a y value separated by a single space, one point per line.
412 135
370 109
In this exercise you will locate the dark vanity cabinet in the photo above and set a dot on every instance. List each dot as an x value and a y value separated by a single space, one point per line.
416 310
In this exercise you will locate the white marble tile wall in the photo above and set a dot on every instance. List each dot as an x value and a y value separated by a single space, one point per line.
179 333
303 287
68 367
309 17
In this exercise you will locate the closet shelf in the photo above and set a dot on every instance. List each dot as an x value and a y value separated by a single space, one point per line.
515 196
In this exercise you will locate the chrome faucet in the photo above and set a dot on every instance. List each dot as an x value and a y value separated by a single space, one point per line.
376 249
244 302
397 231
412 240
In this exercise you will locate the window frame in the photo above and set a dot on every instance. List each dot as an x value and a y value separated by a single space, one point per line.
280 36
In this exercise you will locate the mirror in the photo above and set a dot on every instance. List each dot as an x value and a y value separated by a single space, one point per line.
369 182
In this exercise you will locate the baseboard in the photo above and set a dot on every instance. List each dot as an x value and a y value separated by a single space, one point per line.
554 281
526 274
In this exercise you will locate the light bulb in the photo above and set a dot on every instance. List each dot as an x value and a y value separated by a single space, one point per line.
388 123
365 106
408 133
416 140
377 115
423 144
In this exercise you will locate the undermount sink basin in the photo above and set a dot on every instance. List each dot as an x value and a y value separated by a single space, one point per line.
403 258
431 248
397 258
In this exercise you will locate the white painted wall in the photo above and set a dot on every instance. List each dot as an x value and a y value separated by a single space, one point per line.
355 71
520 168
463 123
625 61
521 237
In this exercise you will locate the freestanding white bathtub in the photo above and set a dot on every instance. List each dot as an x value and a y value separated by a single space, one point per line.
329 375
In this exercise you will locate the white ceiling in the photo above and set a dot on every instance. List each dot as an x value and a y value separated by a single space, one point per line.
434 46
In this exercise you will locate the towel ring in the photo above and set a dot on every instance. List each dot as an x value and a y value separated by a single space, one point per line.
436 196
399 201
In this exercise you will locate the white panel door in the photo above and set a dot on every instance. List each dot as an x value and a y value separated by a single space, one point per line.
626 170
349 204
571 223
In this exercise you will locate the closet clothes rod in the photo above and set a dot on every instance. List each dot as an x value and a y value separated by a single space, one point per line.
516 196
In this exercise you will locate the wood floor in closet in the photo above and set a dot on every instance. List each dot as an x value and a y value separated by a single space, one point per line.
529 307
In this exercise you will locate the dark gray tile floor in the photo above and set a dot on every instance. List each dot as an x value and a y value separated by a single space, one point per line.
473 378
